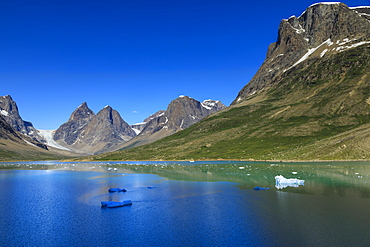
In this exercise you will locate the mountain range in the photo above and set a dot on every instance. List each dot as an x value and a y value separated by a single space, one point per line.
87 133
310 100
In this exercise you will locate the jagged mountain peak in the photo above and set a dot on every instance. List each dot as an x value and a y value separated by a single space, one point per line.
93 133
82 113
9 110
322 29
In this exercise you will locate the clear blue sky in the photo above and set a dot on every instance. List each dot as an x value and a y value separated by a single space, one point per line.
134 55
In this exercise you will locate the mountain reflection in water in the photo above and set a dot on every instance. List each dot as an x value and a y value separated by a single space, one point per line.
189 203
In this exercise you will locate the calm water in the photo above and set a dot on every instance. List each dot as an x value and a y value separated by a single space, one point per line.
192 204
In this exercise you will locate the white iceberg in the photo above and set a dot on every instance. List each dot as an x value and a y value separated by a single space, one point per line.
281 182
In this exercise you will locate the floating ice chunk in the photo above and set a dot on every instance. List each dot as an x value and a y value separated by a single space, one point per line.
113 204
112 190
294 172
241 167
281 182
260 188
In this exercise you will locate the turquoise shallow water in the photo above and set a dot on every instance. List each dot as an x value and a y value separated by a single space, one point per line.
192 204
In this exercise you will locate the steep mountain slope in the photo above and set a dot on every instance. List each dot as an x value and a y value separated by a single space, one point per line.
140 126
72 129
181 113
17 146
9 112
321 30
88 133
309 100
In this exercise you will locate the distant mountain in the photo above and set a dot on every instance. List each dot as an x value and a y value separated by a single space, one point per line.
69 132
25 130
88 133
140 126
180 114
309 100
19 140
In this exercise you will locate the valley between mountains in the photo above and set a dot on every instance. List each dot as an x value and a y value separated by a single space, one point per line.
310 100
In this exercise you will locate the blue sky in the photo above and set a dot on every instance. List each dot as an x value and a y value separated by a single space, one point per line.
134 55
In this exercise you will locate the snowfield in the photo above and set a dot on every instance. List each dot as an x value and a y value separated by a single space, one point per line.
48 136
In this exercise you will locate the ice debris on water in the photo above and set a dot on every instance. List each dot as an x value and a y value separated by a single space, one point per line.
113 204
260 188
112 190
281 182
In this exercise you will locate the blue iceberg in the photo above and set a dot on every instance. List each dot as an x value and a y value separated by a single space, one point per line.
112 190
112 204
260 188
281 182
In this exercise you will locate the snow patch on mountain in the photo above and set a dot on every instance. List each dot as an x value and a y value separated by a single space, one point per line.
209 104
4 113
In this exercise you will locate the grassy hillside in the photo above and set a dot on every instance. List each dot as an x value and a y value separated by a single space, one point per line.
13 150
316 110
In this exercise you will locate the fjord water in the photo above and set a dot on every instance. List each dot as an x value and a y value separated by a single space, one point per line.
187 204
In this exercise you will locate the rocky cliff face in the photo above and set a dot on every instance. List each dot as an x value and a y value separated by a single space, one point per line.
140 126
72 129
6 131
25 130
323 29
89 133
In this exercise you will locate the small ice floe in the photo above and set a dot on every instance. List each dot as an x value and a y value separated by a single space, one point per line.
112 204
281 182
112 190
115 169
241 167
294 173
260 188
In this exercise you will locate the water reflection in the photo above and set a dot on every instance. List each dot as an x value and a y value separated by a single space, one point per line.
326 178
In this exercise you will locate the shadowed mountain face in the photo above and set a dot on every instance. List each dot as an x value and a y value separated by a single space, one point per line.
86 132
310 100
9 111
7 132
23 130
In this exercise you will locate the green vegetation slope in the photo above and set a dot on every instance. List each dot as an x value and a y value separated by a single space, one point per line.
317 110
